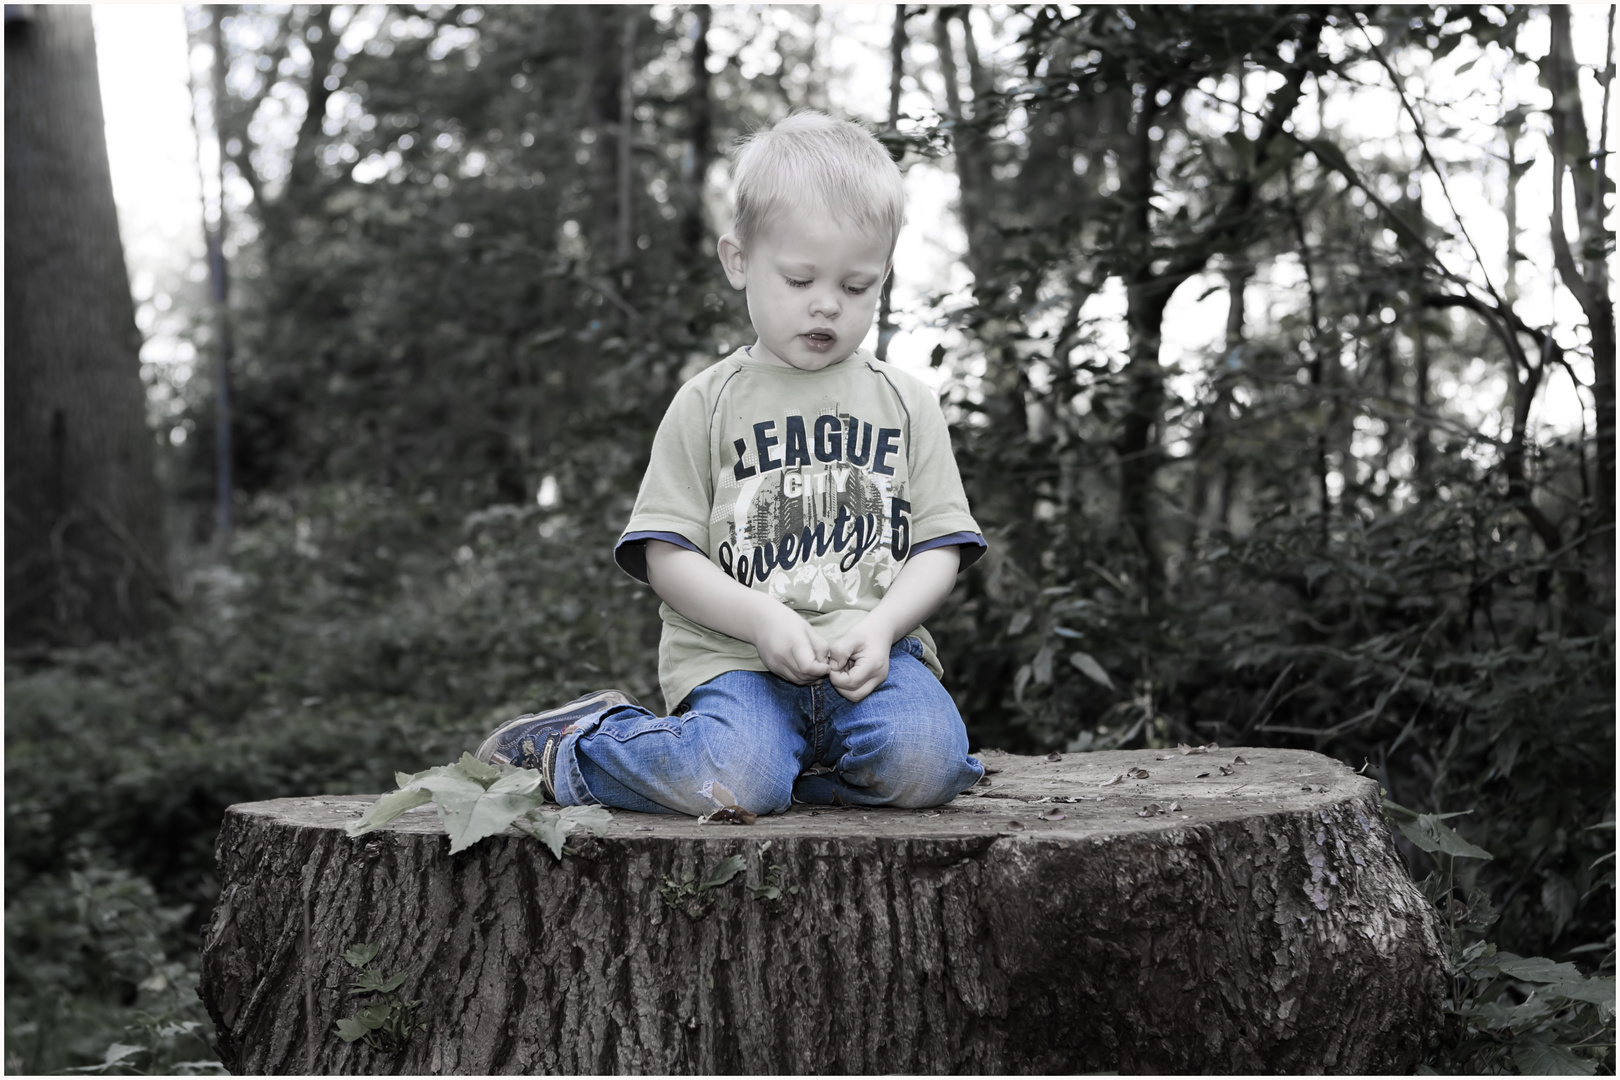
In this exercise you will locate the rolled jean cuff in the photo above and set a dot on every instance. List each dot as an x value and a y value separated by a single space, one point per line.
568 783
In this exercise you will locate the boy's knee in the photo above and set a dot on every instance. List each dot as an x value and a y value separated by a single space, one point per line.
757 790
913 774
759 793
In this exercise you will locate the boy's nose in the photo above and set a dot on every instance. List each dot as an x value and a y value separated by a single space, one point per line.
825 305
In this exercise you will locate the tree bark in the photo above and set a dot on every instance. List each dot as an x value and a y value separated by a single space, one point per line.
897 67
1584 271
627 129
969 149
1151 280
1207 470
1262 923
85 551
700 135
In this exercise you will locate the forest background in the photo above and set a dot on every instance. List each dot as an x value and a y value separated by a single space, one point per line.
1278 348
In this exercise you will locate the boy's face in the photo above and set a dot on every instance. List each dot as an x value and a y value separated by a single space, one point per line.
813 284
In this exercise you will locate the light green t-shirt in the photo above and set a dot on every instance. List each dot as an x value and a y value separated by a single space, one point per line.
811 486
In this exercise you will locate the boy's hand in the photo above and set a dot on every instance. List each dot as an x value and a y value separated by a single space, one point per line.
860 659
790 648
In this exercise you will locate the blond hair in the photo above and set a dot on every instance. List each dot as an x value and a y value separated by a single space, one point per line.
812 161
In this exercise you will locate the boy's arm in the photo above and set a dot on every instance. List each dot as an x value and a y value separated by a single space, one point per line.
860 659
702 592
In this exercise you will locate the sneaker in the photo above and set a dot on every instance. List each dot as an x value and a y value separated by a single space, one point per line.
531 741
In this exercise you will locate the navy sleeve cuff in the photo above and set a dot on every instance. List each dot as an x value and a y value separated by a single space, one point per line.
971 543
631 551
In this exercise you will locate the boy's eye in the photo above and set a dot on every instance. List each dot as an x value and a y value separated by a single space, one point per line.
799 284
857 290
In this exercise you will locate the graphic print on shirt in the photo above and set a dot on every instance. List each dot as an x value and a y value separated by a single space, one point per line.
813 507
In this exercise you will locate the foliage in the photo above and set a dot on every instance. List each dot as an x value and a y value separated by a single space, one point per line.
96 969
692 897
386 1021
449 370
772 889
1507 1013
476 799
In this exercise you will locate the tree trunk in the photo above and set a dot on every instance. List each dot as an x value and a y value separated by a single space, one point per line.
700 136
1585 270
897 68
1262 922
1208 471
969 149
85 553
627 130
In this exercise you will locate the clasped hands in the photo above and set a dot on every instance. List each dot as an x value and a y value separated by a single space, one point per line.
856 664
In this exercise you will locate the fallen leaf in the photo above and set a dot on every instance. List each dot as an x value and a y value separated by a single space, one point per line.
1200 776
1120 779
1150 810
1015 824
1175 806
1239 760
1139 774
1184 749
1227 770
1322 790
730 815
984 781
1306 787
988 769
1053 814
1054 756
553 827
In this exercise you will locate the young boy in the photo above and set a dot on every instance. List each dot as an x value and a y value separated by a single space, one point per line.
800 516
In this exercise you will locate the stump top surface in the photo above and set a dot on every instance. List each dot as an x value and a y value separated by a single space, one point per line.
1019 801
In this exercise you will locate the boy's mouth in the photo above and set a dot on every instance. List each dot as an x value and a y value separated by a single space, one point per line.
819 340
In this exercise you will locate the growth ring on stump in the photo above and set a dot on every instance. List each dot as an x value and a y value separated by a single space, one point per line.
1056 920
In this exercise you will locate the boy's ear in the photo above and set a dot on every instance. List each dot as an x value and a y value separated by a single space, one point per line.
733 261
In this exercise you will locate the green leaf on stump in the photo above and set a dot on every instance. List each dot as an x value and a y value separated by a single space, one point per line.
360 954
351 1030
553 827
729 867
387 808
471 810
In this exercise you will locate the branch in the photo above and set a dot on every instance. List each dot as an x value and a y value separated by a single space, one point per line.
1417 125
315 95
1236 210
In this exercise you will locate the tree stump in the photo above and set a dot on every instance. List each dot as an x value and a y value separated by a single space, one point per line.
1211 915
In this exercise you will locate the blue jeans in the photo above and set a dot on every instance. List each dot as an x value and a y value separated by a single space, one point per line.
773 743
